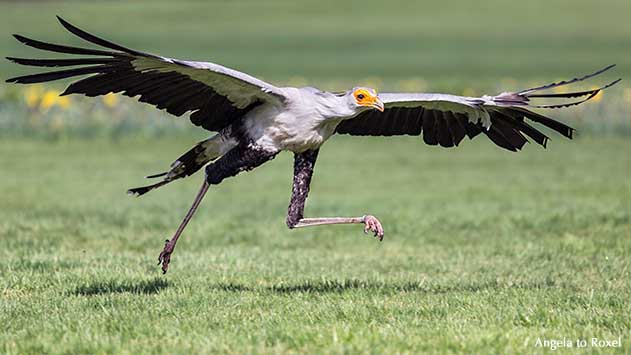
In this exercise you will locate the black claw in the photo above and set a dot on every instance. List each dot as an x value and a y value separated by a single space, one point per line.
165 257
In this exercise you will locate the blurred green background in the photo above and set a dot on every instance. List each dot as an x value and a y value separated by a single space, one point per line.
485 252
448 43
462 47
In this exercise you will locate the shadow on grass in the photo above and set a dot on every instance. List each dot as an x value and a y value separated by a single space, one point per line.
338 286
113 286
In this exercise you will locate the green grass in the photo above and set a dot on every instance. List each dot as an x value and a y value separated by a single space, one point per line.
459 47
485 250
335 44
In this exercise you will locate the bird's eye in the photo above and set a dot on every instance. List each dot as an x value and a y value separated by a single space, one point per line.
360 97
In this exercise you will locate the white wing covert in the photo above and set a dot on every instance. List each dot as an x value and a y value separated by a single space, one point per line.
215 95
445 119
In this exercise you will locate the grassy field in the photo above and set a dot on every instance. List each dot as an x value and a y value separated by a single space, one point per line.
486 251
333 44
457 47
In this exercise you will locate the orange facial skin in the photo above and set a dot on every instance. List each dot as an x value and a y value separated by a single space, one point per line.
366 98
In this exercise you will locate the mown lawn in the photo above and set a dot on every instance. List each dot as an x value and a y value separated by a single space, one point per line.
485 250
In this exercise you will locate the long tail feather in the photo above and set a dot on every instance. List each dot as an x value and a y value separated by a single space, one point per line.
523 98
156 175
565 82
139 191
590 94
187 164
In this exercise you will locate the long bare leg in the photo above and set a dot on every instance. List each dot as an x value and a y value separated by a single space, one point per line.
371 223
169 246
241 158
303 171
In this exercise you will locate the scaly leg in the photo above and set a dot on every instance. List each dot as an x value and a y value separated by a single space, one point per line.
371 223
169 246
303 171
241 158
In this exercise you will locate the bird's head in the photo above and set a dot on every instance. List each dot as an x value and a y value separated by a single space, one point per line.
363 98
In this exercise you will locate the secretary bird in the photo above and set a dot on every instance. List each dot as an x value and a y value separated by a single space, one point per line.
255 120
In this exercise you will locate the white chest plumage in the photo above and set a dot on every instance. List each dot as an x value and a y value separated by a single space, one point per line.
301 124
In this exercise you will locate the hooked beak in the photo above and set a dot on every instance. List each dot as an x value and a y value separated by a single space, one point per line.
378 104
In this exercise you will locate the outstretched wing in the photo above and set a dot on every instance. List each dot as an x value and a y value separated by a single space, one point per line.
215 95
446 119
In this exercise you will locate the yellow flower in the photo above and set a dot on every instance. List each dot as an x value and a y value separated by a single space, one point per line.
598 96
46 100
468 92
49 99
32 95
110 100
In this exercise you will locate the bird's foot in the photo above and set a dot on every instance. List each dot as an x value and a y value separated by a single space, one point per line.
165 256
372 224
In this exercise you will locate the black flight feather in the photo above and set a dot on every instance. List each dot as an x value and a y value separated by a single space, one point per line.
61 74
60 62
58 48
100 41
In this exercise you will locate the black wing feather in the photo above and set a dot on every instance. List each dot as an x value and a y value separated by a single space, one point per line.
113 72
100 41
447 129
61 62
507 113
61 74
445 139
58 48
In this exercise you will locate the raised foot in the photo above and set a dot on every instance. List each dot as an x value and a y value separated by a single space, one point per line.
372 224
165 256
